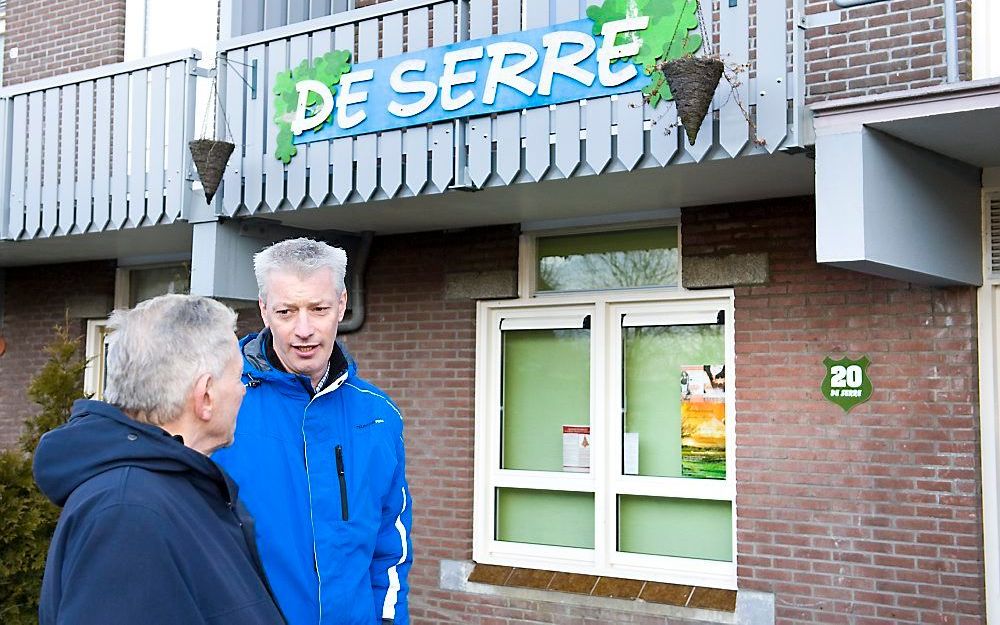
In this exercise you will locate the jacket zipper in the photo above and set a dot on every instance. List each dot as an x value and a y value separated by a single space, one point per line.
343 481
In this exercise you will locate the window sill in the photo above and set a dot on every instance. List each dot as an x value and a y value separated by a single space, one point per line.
705 605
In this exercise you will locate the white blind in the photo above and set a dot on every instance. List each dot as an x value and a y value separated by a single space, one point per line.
994 235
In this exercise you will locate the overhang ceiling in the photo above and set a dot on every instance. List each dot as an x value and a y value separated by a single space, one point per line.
675 186
958 120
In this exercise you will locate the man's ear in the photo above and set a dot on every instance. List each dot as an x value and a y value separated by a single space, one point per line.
263 311
202 397
342 305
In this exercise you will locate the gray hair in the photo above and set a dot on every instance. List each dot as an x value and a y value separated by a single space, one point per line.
158 350
302 257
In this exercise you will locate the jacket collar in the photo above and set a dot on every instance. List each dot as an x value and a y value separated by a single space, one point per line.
261 363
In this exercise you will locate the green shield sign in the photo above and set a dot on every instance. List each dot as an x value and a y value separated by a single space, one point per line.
847 383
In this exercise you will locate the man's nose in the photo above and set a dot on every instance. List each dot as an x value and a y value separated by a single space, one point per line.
303 326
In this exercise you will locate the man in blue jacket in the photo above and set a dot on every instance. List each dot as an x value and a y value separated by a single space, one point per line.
319 452
151 530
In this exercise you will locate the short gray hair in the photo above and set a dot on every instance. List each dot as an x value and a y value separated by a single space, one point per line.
158 350
302 257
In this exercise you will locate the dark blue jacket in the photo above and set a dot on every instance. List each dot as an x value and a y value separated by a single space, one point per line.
151 531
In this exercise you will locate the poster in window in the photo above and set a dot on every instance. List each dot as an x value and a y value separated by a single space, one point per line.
703 421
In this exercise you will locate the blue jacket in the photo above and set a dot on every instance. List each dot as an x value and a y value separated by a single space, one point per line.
324 479
151 531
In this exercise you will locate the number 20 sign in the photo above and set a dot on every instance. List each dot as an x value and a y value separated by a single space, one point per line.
846 383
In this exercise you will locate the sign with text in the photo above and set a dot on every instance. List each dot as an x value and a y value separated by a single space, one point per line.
615 50
846 383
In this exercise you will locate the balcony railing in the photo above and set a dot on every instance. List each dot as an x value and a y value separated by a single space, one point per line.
98 150
595 136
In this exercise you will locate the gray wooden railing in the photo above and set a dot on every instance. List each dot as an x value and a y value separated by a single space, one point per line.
581 138
103 149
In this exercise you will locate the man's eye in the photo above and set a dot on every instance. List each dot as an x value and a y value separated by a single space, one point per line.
282 312
321 309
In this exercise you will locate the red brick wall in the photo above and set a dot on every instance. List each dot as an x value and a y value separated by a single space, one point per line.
871 517
886 46
55 37
420 348
36 300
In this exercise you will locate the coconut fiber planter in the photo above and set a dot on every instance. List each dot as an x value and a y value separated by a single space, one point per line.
210 157
693 81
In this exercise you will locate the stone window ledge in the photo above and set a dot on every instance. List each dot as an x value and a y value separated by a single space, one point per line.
690 604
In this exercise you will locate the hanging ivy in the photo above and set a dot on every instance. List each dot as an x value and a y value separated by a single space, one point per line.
667 36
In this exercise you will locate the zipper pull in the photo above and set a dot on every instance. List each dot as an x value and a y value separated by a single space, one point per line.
339 452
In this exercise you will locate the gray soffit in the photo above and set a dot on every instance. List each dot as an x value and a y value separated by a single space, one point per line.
958 120
652 189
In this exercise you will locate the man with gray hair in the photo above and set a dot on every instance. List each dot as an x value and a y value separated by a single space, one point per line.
151 529
319 451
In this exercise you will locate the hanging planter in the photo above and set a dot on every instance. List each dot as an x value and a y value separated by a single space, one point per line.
692 81
210 157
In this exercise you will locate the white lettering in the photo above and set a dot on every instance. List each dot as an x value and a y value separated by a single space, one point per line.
300 122
345 98
450 79
511 75
610 52
428 88
565 65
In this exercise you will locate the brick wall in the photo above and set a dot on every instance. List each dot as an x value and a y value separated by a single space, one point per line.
420 348
36 299
887 46
871 517
54 37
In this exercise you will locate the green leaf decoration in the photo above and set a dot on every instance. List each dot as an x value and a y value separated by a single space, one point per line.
667 36
327 69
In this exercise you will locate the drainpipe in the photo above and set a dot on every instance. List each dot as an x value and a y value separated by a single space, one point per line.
951 40
356 290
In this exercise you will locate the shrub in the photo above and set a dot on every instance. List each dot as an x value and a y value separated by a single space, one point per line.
27 518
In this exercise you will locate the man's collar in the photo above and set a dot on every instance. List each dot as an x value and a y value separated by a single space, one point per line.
336 366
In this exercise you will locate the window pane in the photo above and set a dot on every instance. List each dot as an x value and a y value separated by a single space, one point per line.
657 359
686 528
545 517
630 258
147 283
546 385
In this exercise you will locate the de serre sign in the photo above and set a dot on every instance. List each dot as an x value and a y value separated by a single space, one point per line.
523 70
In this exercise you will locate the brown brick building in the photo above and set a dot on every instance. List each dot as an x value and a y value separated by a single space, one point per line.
534 268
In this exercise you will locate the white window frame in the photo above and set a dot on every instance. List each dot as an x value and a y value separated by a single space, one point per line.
985 39
96 349
528 250
605 479
989 403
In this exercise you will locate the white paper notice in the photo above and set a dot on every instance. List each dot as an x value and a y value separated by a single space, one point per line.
630 450
576 448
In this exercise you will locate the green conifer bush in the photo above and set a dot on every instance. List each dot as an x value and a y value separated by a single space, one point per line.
27 518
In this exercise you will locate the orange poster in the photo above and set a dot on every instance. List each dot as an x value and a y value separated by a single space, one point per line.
703 421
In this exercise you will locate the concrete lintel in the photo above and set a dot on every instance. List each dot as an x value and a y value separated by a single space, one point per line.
893 209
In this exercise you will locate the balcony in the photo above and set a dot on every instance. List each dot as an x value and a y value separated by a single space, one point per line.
98 151
105 151
617 133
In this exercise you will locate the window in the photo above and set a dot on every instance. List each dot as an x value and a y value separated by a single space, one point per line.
95 374
155 27
604 437
132 285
